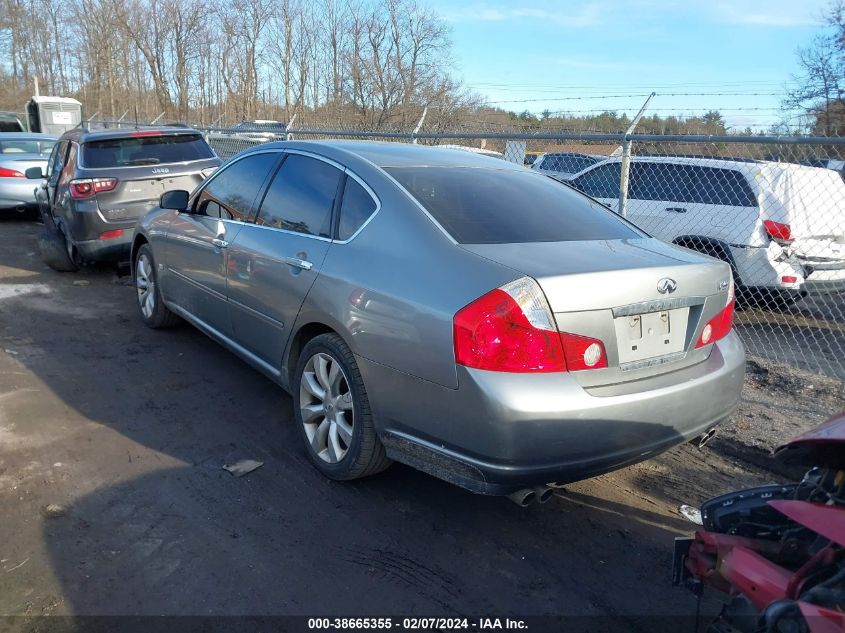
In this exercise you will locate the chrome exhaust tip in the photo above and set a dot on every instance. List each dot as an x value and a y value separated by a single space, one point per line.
543 493
523 498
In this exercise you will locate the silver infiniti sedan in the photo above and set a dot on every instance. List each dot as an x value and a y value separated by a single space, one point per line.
19 152
454 312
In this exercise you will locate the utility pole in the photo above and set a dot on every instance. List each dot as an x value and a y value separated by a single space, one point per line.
419 125
626 159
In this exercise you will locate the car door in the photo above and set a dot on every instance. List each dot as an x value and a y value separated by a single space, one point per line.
275 260
197 241
659 198
45 193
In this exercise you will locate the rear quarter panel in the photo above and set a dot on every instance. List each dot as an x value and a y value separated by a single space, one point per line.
392 291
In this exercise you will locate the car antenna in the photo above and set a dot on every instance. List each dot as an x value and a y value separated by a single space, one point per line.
136 116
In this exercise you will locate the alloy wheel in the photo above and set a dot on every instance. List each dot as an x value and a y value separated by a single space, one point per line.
326 406
145 285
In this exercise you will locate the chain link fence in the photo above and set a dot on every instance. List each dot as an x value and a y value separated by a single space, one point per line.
771 207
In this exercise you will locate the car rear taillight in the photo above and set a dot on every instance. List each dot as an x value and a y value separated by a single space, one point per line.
110 235
779 232
511 329
719 326
582 352
87 188
142 133
10 173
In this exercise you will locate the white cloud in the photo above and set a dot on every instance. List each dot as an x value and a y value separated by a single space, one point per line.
585 15
775 13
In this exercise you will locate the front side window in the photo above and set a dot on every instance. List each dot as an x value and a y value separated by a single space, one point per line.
230 193
301 197
496 206
357 207
660 181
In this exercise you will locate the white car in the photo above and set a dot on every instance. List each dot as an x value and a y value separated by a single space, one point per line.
781 226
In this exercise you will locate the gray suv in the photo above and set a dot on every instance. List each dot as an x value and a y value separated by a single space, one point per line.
98 183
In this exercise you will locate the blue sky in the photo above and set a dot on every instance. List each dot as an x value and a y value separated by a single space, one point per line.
539 55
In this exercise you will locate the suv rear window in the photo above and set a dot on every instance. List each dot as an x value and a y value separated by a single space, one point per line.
496 206
145 150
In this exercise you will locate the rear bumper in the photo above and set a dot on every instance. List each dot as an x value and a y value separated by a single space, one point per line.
86 225
112 249
500 432
825 280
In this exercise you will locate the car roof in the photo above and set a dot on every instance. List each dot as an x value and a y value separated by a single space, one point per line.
83 135
27 136
388 154
690 160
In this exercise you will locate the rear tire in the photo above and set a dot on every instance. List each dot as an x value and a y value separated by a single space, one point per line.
153 312
333 413
53 247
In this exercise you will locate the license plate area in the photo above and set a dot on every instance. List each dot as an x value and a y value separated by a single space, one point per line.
651 334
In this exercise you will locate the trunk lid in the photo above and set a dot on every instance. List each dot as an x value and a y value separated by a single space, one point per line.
611 290
138 193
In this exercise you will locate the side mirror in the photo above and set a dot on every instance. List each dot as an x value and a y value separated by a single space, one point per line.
34 173
176 200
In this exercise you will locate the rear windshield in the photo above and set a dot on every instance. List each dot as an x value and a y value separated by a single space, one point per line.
25 146
492 206
145 150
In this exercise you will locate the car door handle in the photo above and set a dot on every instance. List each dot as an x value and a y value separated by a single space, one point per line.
676 209
299 263
220 243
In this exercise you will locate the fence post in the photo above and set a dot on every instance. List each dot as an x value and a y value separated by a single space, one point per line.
289 135
625 166
419 125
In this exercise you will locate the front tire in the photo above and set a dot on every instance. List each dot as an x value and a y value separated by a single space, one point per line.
332 411
153 312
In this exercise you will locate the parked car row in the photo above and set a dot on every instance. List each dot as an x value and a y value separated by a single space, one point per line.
413 316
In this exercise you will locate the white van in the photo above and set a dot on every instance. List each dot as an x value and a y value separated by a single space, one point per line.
781 226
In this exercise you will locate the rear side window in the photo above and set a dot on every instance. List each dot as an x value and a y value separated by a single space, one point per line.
301 197
24 146
566 164
721 186
145 150
601 182
230 193
357 207
491 206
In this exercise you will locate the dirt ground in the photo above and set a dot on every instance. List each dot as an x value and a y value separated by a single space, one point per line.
113 500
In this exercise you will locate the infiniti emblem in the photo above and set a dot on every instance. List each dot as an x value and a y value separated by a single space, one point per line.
667 286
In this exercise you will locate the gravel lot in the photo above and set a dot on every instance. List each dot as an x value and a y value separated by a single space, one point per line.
126 430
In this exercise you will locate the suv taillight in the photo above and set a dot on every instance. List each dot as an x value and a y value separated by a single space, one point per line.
511 329
87 188
781 233
719 326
